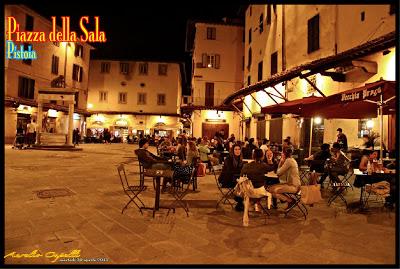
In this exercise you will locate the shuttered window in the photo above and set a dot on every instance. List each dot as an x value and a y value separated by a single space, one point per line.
313 34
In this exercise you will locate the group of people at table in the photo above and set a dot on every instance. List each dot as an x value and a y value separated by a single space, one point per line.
328 161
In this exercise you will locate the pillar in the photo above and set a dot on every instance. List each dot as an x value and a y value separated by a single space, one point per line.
39 121
70 123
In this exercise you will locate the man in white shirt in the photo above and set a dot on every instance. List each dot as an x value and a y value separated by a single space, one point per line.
31 132
264 146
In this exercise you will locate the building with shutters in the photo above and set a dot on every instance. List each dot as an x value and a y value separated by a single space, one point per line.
23 78
134 98
217 70
281 39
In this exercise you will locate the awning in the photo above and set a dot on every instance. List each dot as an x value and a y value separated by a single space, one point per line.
351 104
291 107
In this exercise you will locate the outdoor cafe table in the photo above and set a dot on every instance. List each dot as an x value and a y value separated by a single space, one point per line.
363 179
157 174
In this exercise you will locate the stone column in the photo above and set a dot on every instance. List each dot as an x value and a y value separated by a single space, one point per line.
70 123
39 121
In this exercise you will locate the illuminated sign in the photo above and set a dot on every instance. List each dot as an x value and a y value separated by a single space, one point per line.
121 122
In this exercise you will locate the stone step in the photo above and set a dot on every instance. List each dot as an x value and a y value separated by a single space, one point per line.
52 139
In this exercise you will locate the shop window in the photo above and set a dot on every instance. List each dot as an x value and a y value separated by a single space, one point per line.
313 34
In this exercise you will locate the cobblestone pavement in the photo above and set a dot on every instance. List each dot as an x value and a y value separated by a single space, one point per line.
90 220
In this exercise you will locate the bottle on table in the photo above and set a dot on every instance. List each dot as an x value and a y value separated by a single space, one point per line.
369 168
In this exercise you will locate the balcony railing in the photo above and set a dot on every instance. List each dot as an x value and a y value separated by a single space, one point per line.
200 101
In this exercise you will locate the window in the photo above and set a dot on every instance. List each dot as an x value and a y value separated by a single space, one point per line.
249 35
124 68
261 24
103 96
274 63
78 50
27 47
105 67
162 69
26 87
249 59
211 33
161 99
243 63
268 14
122 98
77 73
28 23
211 60
209 94
54 64
392 9
274 8
363 16
141 99
260 70
248 80
363 128
143 68
313 34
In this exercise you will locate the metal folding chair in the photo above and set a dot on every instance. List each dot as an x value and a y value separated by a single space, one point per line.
297 203
132 191
304 173
142 172
339 189
180 189
226 192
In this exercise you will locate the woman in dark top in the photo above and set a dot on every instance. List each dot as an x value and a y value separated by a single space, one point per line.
232 166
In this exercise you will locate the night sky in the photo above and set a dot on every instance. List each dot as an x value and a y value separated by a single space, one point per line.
140 31
144 31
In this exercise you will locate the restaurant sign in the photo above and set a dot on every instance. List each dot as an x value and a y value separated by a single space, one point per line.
361 95
121 122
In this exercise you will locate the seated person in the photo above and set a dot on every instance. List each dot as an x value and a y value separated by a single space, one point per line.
204 151
288 172
255 172
368 155
368 142
192 153
181 149
337 164
272 162
318 161
151 161
232 166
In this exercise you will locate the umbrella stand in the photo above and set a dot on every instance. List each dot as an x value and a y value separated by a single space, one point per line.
311 131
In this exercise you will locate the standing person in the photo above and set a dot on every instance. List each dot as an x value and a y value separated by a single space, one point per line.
342 139
31 133
288 172
76 137
264 146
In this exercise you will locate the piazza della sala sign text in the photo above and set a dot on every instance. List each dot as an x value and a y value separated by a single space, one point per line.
26 52
360 95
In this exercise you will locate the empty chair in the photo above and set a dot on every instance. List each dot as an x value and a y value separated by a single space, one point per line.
226 192
132 191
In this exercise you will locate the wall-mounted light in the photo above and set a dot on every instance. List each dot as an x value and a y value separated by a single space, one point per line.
370 124
317 120
89 106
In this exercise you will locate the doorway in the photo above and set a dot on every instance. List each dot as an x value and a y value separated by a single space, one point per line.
209 100
209 129
275 129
